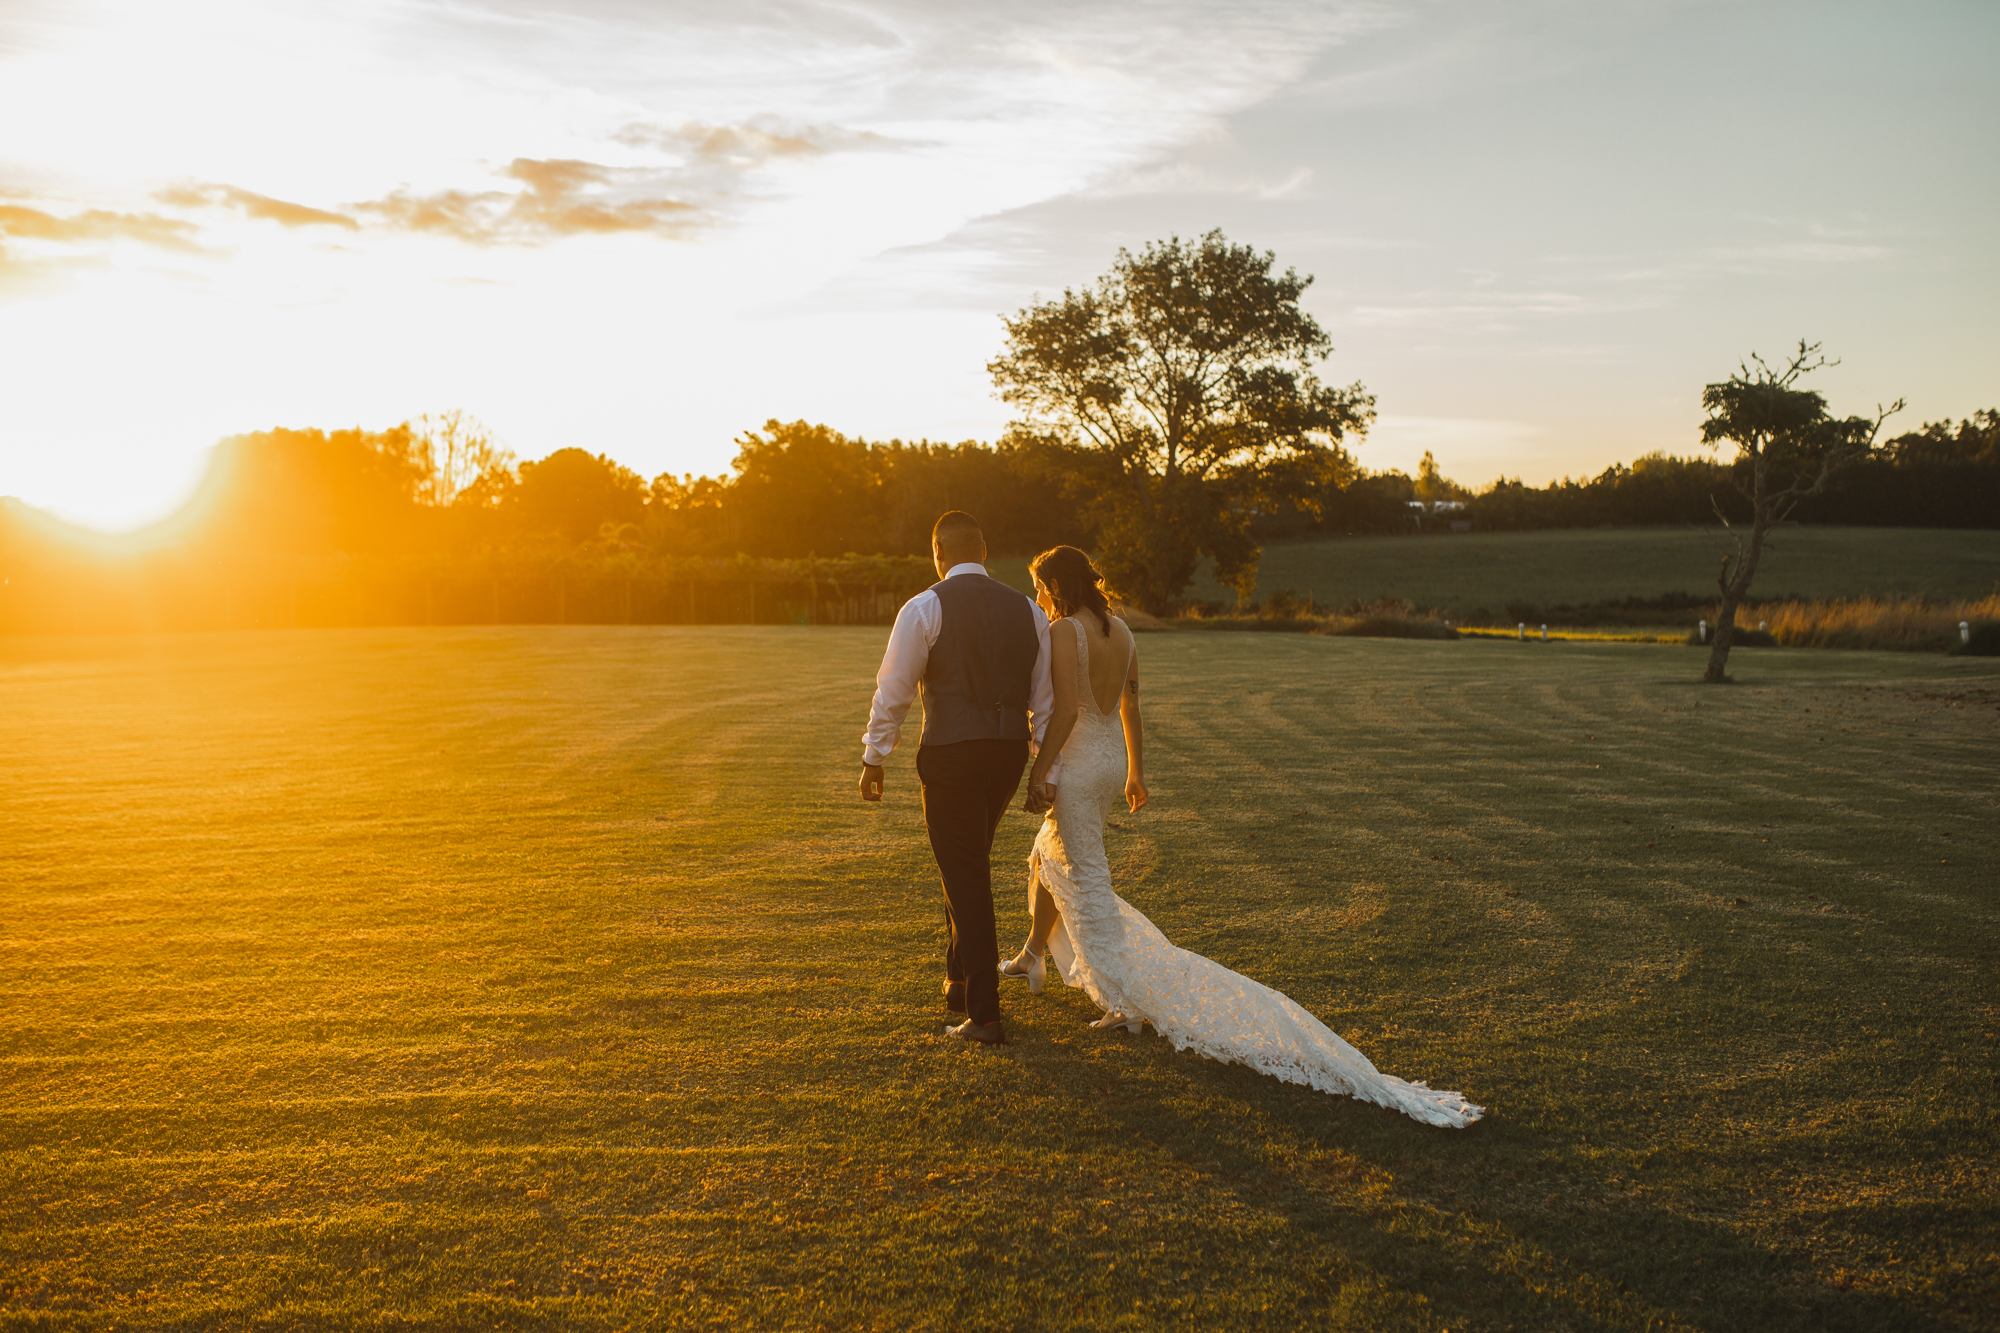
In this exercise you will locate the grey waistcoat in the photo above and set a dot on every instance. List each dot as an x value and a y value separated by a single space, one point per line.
982 667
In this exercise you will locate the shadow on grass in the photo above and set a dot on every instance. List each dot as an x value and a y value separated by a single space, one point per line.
1494 1225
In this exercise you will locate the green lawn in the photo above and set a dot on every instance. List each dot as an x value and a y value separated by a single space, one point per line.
1468 572
553 978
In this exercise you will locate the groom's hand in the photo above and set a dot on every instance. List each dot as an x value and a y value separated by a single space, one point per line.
1041 798
871 782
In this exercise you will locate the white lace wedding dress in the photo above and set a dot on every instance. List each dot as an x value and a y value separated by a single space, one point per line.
1109 948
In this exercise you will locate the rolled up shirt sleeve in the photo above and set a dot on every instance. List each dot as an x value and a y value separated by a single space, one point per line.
909 651
1042 693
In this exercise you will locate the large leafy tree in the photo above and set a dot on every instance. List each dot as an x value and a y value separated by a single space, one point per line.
574 493
1177 394
1788 446
803 489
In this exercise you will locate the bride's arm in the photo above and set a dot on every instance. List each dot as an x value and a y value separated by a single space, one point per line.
1135 735
1062 713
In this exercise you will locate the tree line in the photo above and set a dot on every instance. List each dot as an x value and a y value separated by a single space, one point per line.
796 490
1171 412
388 505
800 490
1943 475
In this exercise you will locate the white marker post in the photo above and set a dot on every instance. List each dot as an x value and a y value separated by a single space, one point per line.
1965 631
1545 634
1521 631
1704 631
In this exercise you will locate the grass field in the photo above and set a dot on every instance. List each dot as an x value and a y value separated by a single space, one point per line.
553 978
1464 573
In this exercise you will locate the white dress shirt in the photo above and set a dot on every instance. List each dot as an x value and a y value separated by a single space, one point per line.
917 626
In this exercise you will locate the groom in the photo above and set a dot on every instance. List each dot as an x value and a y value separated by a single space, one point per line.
980 652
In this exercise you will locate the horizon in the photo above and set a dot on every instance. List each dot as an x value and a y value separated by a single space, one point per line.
1535 236
185 517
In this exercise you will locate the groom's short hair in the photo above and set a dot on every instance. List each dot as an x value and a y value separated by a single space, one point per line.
957 531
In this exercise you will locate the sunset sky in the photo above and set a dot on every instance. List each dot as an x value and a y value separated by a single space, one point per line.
642 228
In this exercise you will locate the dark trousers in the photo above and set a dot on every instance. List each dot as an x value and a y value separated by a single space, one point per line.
967 787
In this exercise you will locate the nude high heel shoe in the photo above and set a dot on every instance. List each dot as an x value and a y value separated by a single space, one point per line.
1036 971
1114 1019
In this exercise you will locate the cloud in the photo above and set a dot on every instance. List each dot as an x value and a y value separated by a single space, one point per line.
703 174
1208 173
704 171
32 224
1650 280
37 270
1483 312
280 211
1761 259
559 197
1291 187
562 197
743 147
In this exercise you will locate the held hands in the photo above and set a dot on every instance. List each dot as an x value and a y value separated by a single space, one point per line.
1042 797
871 782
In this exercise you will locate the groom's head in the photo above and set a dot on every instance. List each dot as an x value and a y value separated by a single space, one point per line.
956 540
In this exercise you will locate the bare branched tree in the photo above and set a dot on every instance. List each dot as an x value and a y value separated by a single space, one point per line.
454 450
1787 448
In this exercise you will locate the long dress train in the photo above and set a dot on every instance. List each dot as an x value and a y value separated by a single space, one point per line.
1109 948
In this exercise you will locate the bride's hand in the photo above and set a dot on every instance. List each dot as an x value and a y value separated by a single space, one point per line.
1135 791
1041 798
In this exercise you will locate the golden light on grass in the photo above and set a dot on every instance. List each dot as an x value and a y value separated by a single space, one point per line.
1872 622
535 977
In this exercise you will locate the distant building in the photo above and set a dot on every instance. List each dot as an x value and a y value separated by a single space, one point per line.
1435 515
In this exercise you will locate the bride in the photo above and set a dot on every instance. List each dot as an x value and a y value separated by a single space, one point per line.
1104 944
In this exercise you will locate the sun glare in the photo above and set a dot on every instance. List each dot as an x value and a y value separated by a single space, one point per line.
647 243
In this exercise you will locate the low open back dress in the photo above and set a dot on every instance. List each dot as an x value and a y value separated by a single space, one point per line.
1122 961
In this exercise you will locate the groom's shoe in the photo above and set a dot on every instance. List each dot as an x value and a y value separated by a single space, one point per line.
986 1034
954 996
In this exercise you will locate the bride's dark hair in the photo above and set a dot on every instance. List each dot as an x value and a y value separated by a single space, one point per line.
1073 583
